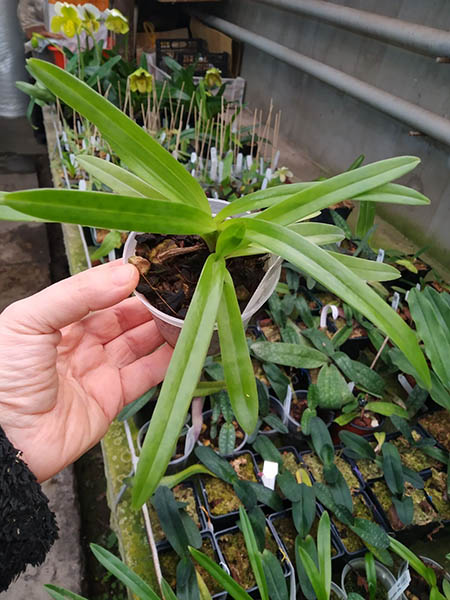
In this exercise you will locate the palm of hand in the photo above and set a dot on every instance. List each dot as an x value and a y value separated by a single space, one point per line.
60 390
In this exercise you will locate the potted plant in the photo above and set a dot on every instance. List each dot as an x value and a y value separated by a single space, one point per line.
367 577
176 205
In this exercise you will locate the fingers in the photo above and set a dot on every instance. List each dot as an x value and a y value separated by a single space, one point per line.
144 373
110 323
72 299
134 344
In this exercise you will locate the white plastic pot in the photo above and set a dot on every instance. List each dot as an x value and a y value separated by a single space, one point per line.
280 412
207 417
170 327
384 576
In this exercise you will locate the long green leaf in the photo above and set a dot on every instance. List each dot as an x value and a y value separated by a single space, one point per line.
311 569
392 468
59 593
276 581
319 233
393 193
324 550
338 188
367 270
387 409
404 552
366 219
9 214
432 318
139 151
110 211
171 481
167 591
118 179
253 554
341 281
206 388
180 381
120 570
236 362
227 582
289 355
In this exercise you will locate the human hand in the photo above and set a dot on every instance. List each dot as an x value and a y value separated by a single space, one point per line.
42 30
66 372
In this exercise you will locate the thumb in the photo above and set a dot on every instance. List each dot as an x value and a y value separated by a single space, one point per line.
72 299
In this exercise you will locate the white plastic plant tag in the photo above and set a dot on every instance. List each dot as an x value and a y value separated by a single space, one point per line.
261 166
193 172
324 313
64 136
380 255
351 385
249 160
93 140
269 173
407 295
73 160
269 474
193 158
404 383
395 300
107 157
275 160
213 153
221 171
239 163
82 185
400 585
264 183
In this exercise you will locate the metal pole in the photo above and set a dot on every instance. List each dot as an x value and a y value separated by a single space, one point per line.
417 117
418 38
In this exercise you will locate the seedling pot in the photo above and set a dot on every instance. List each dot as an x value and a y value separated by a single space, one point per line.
177 464
418 586
170 327
294 425
384 577
277 408
207 415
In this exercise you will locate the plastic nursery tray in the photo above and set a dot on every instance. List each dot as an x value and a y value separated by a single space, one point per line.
352 466
222 522
274 517
377 517
409 533
165 548
259 459
254 593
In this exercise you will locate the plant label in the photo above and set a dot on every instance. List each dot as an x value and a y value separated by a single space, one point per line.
82 185
380 255
269 474
395 300
400 585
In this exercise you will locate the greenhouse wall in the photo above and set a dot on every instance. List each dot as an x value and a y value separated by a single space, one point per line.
332 127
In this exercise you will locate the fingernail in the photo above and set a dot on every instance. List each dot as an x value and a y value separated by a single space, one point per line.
123 274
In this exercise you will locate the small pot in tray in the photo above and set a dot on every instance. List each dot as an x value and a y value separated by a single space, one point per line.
355 568
295 408
219 498
231 543
315 467
276 408
241 436
169 560
418 587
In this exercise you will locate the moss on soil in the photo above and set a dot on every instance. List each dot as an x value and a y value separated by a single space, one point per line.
221 497
413 457
438 425
436 487
423 511
287 532
235 553
182 493
315 466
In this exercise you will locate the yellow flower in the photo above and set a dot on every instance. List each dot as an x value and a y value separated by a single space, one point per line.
66 19
141 81
115 21
90 15
284 173
213 78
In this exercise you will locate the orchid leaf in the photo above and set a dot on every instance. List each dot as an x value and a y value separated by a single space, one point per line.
253 553
180 381
367 270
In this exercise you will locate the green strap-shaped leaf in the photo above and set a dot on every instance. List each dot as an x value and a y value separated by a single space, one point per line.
387 409
253 554
180 381
367 270
310 568
338 188
392 468
341 281
59 593
139 151
167 591
393 193
172 480
118 179
319 233
120 570
289 355
324 550
110 211
366 219
236 362
414 561
228 583
113 239
276 581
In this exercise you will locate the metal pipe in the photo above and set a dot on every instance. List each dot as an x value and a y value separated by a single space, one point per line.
418 38
417 117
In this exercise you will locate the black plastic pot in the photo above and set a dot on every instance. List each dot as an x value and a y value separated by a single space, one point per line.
224 521
325 215
253 591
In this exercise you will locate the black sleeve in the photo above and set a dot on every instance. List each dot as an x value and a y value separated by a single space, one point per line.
27 525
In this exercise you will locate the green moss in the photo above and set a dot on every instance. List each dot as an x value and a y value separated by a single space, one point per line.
423 511
351 541
221 497
438 424
315 466
436 487
235 553
413 457
290 462
182 493
287 532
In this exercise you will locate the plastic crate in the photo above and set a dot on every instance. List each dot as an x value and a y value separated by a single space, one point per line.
184 51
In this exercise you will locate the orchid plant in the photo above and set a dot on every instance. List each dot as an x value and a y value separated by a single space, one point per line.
158 195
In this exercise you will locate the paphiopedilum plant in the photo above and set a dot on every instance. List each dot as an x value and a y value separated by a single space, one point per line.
158 195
